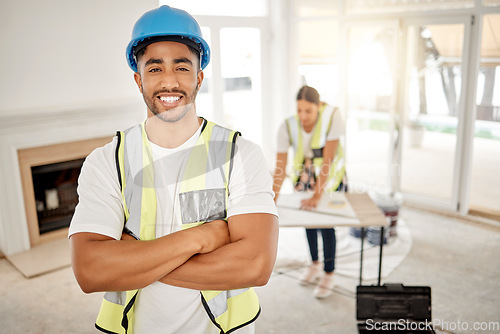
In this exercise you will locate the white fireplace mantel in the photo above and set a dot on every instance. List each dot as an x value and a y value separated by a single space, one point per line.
27 129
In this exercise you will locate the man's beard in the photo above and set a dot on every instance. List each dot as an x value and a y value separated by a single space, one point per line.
174 114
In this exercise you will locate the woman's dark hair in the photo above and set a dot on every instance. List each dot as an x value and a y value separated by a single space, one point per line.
309 94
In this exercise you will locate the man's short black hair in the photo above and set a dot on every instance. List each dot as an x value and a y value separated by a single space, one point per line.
194 47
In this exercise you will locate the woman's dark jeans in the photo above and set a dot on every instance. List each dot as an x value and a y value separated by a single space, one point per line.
329 242
329 245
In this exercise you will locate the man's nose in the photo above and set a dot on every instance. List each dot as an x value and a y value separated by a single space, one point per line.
169 80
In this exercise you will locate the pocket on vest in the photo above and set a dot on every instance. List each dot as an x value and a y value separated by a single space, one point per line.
202 205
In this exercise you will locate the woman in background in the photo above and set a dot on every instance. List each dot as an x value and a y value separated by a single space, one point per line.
314 133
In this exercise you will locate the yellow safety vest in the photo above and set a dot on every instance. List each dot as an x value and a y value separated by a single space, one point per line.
318 140
203 197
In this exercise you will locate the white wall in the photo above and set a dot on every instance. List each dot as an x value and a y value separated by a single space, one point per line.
66 53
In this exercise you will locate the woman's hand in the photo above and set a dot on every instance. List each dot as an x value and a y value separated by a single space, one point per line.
310 203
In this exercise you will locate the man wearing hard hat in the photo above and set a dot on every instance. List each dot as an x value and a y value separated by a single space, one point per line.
176 221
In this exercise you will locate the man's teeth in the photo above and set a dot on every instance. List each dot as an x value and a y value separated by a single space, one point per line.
170 99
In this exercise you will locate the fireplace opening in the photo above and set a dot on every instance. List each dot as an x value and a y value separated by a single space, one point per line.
55 186
49 176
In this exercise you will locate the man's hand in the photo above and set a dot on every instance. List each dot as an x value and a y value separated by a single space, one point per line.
126 236
247 261
213 235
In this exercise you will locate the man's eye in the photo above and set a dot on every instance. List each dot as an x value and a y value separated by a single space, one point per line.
154 70
183 69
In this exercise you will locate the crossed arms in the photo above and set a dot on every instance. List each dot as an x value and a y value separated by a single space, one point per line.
214 256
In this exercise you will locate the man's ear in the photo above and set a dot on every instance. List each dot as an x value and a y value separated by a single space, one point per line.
199 79
138 80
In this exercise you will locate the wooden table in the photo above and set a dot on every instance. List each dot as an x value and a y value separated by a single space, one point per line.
359 211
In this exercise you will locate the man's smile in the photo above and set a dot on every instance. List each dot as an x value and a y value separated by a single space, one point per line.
169 100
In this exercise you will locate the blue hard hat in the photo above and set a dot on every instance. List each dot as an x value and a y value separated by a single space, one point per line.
167 23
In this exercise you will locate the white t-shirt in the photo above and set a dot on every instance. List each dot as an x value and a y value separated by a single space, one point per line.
162 308
337 130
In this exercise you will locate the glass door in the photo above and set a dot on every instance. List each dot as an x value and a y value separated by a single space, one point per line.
433 110
485 179
241 75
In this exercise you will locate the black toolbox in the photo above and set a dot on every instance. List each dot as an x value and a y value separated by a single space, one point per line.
394 308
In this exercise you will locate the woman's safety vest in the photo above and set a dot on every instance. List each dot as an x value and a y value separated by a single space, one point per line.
203 197
318 140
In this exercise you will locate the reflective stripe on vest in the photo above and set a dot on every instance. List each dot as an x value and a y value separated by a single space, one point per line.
318 142
203 196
